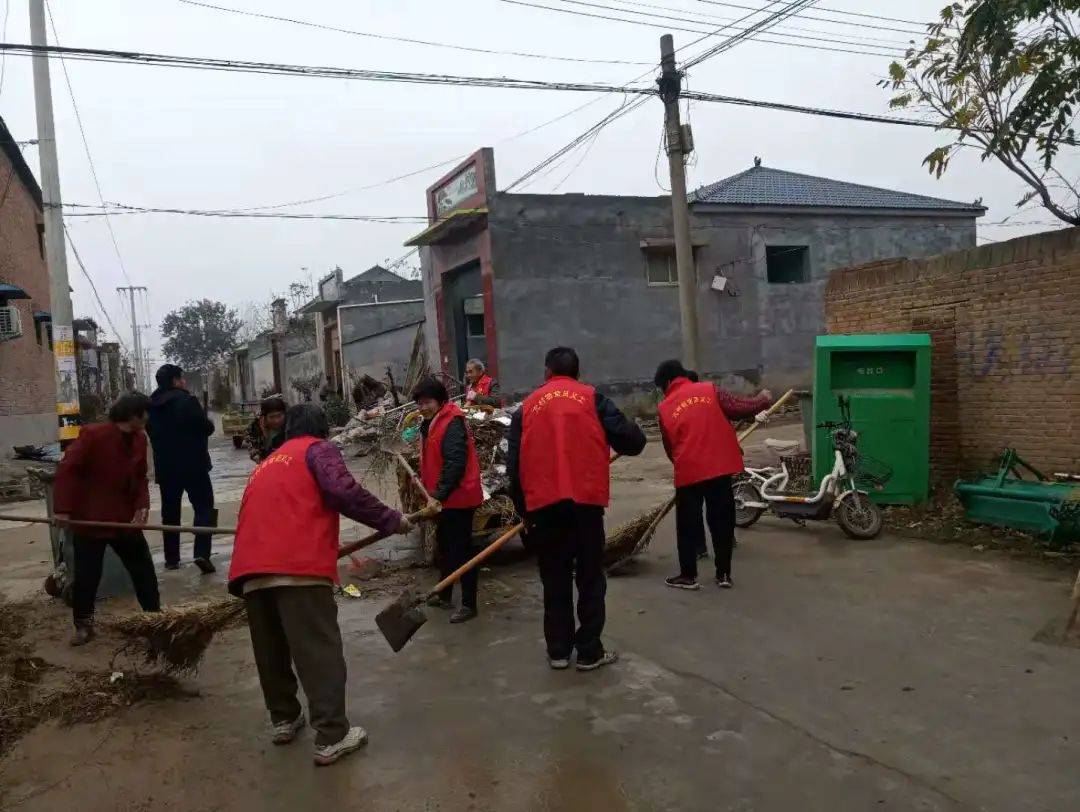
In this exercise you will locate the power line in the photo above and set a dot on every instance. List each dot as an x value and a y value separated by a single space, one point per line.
777 32
666 27
410 41
922 26
86 145
93 288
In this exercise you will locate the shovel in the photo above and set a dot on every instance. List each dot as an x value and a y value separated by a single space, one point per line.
400 620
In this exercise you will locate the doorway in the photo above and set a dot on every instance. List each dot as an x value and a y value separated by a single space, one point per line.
464 316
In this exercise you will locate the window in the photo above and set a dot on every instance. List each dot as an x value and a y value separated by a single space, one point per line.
474 316
41 239
787 264
660 266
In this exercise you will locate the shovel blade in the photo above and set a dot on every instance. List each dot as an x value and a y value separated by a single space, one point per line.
399 621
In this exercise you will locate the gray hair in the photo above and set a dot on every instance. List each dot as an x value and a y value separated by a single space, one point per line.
476 362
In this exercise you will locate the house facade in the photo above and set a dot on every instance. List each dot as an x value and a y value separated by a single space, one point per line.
507 276
27 368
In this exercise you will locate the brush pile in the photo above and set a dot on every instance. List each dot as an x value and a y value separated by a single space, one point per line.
175 639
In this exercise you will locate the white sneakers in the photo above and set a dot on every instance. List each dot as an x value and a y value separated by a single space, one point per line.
328 754
285 732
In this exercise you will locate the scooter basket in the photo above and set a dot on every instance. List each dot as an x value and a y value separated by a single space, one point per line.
871 474
800 470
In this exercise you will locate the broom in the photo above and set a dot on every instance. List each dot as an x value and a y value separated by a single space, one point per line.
175 640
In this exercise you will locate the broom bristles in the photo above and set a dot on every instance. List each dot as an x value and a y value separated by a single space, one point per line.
175 639
634 536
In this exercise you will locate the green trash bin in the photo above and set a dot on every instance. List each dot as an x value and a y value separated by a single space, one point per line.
886 379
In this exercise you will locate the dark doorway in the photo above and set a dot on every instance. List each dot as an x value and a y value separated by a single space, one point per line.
463 314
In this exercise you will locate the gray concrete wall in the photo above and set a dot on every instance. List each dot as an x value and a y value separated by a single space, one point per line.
365 320
569 269
373 354
26 429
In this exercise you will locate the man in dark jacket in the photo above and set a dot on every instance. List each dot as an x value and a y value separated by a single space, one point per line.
559 443
267 431
179 431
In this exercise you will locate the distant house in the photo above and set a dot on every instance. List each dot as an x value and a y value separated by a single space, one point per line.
27 368
507 276
365 324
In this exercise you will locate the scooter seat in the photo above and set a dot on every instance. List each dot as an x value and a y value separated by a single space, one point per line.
782 446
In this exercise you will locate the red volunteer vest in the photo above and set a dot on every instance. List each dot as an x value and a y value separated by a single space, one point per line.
483 386
702 440
564 451
284 526
469 493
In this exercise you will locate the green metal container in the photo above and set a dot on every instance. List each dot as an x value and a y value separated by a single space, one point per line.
886 378
1048 509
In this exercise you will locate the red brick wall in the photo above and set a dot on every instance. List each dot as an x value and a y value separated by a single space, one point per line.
27 376
1005 322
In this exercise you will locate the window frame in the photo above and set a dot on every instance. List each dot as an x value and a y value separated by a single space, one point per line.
807 272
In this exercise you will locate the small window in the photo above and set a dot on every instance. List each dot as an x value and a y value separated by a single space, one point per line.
787 264
41 239
660 266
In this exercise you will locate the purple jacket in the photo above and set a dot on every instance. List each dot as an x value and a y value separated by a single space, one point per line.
341 492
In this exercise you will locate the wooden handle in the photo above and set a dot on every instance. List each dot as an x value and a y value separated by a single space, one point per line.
168 528
768 412
476 560
348 549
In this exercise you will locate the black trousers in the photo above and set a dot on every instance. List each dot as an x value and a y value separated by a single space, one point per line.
201 495
569 539
453 537
297 626
133 552
719 503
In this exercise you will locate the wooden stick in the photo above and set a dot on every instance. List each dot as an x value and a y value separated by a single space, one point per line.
653 525
1075 605
168 528
350 548
768 413
404 463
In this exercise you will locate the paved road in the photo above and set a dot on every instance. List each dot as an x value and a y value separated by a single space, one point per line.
838 675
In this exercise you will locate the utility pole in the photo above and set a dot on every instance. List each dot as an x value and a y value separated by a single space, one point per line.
67 382
679 144
136 338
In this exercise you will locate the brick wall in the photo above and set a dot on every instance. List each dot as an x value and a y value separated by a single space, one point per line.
27 376
1005 322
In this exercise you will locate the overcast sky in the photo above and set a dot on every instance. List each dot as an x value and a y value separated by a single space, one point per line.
165 137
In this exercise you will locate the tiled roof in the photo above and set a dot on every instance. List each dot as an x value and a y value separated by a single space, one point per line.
764 186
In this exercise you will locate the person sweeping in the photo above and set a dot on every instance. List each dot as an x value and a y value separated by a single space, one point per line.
284 565
704 450
102 478
450 472
559 445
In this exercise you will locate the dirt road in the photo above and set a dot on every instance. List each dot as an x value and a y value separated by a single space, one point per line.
837 675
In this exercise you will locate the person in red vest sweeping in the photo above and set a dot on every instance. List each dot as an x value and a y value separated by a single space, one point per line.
559 446
450 472
695 425
284 566
481 388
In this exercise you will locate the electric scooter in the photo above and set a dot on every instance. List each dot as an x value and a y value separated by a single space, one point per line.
839 492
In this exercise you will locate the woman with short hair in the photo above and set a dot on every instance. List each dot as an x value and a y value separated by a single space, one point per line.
102 478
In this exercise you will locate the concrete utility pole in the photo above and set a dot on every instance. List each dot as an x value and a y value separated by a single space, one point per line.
136 337
67 382
679 144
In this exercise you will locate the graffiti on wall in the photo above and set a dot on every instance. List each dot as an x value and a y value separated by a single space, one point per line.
989 352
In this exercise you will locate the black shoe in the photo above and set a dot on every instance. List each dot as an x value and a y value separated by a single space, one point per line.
84 633
172 565
682 582
463 615
205 565
724 581
438 602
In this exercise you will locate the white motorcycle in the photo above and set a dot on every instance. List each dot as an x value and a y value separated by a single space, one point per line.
843 492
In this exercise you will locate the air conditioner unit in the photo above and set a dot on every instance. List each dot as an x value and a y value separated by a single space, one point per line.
10 323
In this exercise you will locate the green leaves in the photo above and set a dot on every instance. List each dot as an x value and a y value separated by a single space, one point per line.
200 334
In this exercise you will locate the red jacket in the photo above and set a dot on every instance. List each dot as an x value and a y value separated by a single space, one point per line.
469 493
564 450
483 386
102 477
285 527
697 434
